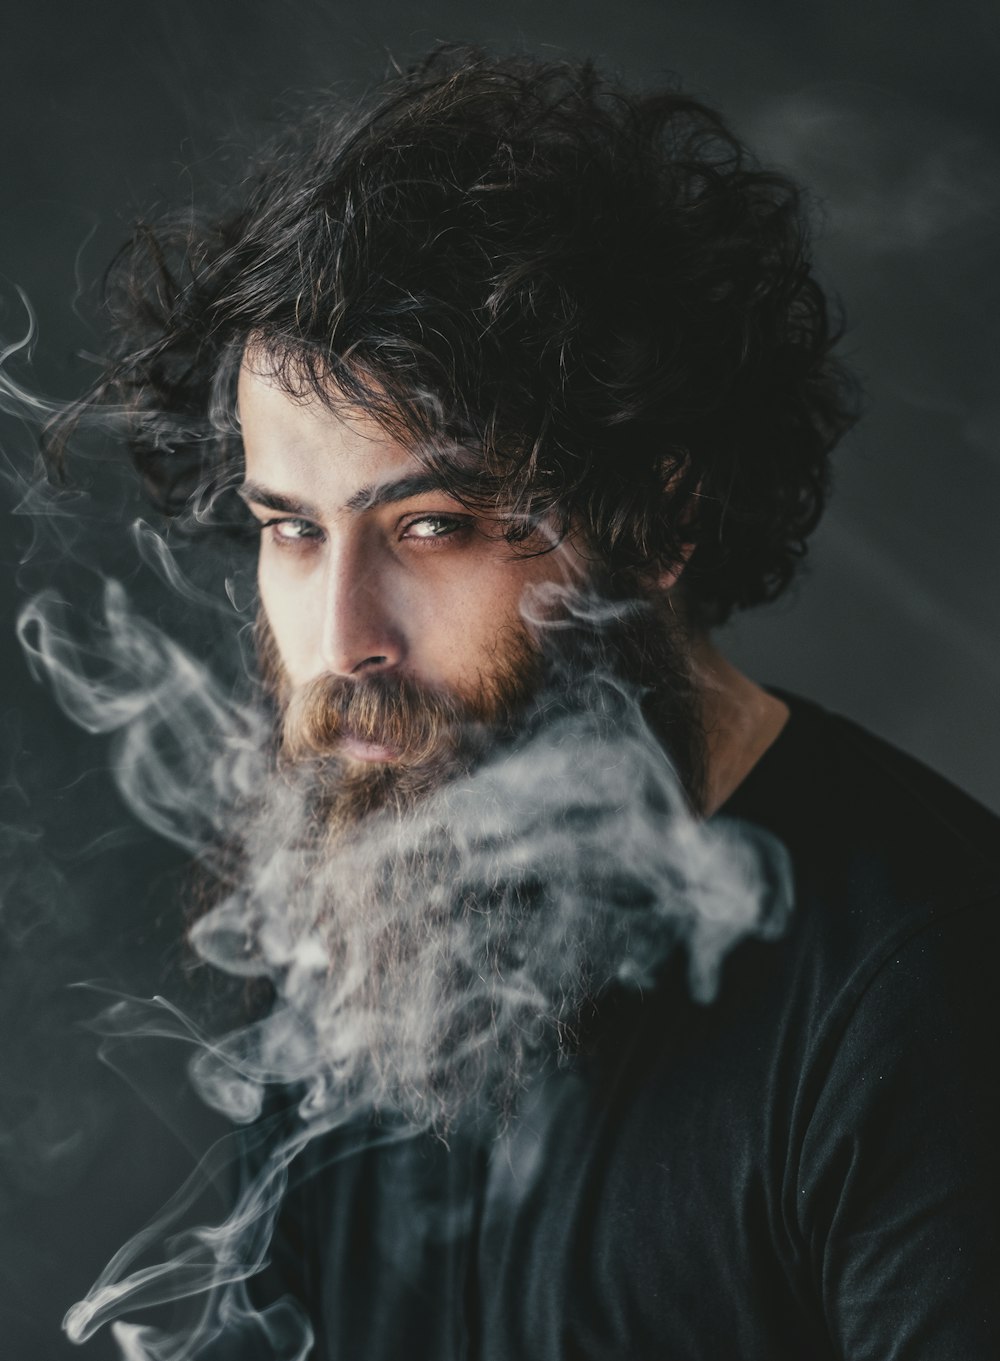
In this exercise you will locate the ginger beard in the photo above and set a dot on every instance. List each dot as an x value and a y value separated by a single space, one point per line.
463 937
430 735
435 734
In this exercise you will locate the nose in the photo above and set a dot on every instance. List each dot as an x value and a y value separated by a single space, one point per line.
359 635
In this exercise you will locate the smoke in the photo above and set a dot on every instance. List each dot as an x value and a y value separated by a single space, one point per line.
897 177
428 965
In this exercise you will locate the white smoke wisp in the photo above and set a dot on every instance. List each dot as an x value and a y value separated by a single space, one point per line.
898 178
428 964
183 748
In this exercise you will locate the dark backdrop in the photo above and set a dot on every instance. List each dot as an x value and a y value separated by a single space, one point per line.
888 113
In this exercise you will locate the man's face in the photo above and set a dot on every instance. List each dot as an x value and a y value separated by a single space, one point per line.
458 939
369 572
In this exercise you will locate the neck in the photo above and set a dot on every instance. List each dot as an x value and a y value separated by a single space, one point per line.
739 718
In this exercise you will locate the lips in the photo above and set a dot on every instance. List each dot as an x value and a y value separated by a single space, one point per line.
358 750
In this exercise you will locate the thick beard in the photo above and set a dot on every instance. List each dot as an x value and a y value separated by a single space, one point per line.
439 735
461 908
436 735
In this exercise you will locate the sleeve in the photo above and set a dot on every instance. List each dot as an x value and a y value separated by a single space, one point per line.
898 1185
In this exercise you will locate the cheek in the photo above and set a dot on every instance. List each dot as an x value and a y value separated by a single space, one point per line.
467 630
287 612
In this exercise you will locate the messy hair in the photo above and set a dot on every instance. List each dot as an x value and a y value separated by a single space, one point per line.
574 301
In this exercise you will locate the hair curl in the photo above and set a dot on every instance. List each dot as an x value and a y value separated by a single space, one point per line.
597 294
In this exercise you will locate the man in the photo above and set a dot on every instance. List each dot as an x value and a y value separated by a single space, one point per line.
528 383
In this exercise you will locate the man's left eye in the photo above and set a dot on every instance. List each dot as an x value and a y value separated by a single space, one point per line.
433 527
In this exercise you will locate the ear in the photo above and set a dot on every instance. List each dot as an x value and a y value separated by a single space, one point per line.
669 577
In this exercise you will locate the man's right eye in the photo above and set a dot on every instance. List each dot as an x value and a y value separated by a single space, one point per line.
291 531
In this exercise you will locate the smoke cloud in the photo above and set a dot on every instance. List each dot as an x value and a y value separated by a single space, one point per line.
430 961
428 965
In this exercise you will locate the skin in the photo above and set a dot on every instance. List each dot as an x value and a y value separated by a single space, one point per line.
364 570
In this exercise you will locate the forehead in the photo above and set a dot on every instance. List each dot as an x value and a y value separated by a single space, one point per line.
299 446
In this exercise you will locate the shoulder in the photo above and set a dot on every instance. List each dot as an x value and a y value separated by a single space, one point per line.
883 1035
896 911
881 846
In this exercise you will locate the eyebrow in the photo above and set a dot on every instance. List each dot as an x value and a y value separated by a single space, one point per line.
365 498
385 493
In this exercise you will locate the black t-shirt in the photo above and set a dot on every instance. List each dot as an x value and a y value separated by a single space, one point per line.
808 1168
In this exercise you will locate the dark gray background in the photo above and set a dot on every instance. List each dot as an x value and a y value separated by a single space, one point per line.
887 112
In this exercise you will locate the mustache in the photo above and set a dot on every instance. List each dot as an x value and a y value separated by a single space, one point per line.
417 723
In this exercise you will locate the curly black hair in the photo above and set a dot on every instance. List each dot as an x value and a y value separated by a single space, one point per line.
572 299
